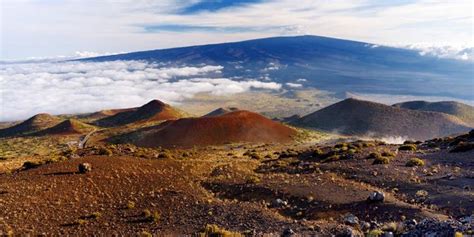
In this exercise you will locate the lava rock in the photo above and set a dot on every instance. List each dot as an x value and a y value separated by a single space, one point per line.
279 203
410 224
350 219
376 196
388 234
85 167
288 232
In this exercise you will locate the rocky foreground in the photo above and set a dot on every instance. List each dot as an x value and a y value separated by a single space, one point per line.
345 189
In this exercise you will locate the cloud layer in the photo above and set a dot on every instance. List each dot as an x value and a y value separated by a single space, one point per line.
78 87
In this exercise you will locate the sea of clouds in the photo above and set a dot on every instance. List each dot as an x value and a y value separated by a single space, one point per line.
80 87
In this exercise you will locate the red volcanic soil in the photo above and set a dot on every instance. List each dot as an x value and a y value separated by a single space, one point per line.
33 124
70 126
154 110
238 126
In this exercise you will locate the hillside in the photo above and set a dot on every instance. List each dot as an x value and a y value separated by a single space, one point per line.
31 125
364 118
67 127
462 111
238 126
102 114
326 63
154 110
220 111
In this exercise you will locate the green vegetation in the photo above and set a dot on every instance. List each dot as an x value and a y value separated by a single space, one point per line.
80 222
374 155
334 157
407 147
253 180
95 215
145 234
215 230
33 146
151 216
103 151
317 152
415 162
31 164
381 160
164 155
388 154
131 204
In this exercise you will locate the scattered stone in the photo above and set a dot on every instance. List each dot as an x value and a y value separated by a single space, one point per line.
410 224
365 226
279 203
85 167
350 219
288 232
388 234
376 196
433 227
467 219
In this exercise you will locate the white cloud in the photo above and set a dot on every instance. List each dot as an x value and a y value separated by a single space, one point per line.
293 85
79 87
44 28
460 52
301 80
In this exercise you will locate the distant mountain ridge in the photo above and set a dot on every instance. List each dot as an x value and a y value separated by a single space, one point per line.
365 118
462 111
326 63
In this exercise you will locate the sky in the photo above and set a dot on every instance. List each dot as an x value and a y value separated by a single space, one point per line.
51 28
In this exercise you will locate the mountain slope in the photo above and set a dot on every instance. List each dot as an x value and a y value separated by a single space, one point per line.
364 118
220 111
67 127
238 126
154 110
460 110
31 125
327 63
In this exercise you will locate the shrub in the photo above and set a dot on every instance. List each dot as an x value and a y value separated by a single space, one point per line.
381 160
95 215
253 180
415 162
340 145
145 234
151 216
214 230
80 222
352 151
374 155
255 156
164 155
104 151
332 158
463 147
388 154
31 164
130 205
317 152
408 147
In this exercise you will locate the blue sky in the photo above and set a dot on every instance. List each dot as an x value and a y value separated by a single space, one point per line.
49 28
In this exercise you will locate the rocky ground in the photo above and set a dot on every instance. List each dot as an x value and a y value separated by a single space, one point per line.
358 188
